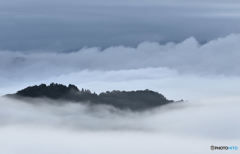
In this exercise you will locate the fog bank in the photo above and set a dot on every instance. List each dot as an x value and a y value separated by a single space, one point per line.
74 128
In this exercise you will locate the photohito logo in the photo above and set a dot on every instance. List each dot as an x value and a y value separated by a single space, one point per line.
212 147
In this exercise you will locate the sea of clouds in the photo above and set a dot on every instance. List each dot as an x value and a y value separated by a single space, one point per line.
185 65
205 75
219 56
40 127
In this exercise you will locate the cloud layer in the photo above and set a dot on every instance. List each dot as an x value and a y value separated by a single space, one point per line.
174 69
189 127
192 53
218 56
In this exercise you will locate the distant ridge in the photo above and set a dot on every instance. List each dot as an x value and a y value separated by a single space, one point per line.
133 100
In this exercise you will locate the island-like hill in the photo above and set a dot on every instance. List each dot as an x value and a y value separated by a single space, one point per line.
133 100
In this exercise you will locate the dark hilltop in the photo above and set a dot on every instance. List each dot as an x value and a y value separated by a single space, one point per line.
133 100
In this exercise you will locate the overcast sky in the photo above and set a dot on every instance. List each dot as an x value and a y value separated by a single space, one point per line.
184 49
70 25
42 41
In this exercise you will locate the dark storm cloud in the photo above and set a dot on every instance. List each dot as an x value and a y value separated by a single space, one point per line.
70 25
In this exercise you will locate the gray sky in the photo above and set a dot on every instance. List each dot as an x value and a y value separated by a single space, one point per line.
197 37
70 25
184 49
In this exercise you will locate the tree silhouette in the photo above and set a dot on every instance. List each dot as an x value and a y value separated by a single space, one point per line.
134 100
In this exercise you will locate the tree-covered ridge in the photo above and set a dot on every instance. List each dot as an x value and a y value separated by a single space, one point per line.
134 100
53 91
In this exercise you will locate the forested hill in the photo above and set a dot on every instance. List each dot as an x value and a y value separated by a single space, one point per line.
134 100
